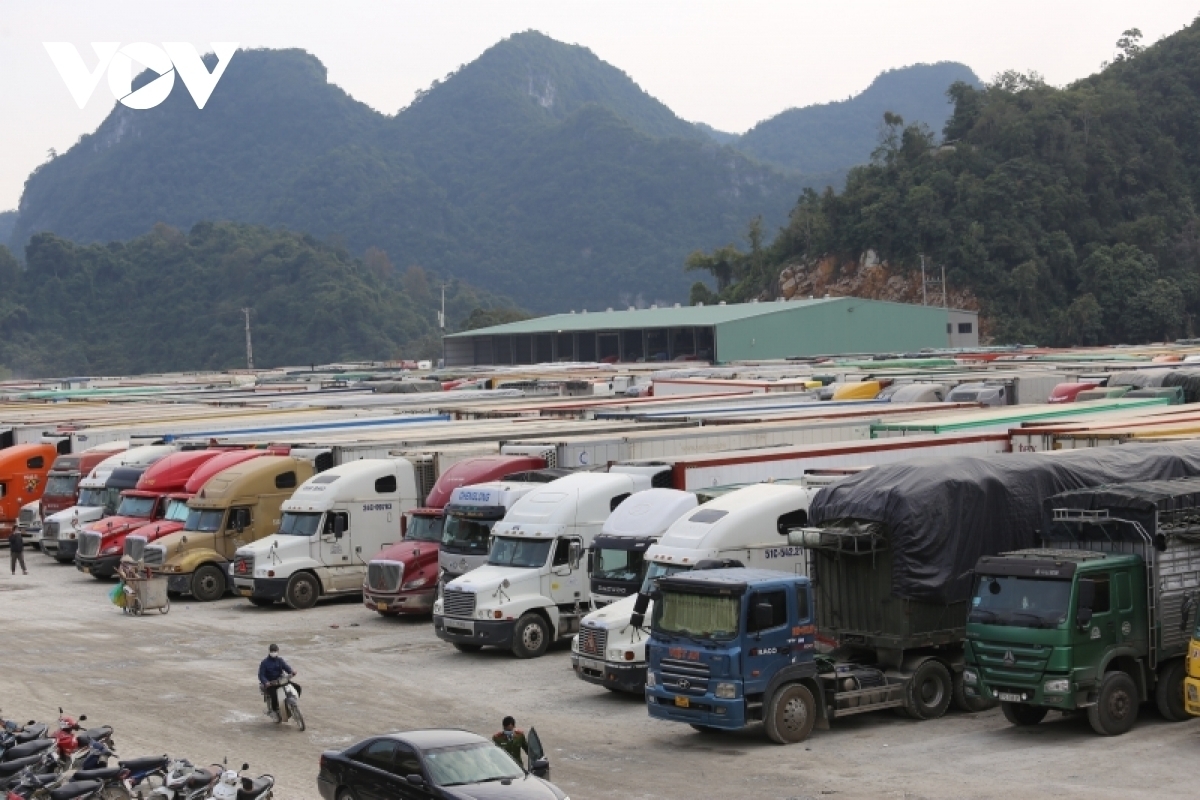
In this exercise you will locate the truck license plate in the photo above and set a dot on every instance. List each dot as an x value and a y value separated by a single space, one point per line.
592 664
381 606
86 570
461 627
1007 697
682 702
245 592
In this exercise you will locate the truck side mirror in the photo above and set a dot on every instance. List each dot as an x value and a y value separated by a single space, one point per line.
1087 596
764 615
339 526
638 618
575 554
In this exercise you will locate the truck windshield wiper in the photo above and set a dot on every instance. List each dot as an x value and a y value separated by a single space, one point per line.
1041 623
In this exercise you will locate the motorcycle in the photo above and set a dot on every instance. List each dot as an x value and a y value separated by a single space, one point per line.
234 786
289 700
94 767
72 745
185 781
29 785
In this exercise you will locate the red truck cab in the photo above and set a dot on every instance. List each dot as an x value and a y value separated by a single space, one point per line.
1067 392
101 543
62 484
402 578
23 471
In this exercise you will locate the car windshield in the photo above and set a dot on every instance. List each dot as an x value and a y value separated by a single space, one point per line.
300 523
92 497
466 534
424 529
472 763
204 519
177 511
62 485
1020 602
657 570
132 506
697 616
618 565
514 552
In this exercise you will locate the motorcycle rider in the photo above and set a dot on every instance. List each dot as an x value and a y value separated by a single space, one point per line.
272 668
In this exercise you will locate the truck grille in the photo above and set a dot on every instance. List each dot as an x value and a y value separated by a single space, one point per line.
89 544
50 531
684 677
457 603
26 517
385 576
154 555
592 641
135 547
243 566
1007 664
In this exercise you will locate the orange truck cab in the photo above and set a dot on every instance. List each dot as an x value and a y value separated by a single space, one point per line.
23 471
101 543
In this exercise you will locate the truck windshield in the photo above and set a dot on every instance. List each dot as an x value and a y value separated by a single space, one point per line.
618 565
1020 602
424 529
697 616
467 535
657 570
177 511
136 507
62 485
519 552
205 520
300 524
92 497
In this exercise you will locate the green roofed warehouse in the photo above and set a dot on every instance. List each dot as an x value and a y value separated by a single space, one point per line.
720 334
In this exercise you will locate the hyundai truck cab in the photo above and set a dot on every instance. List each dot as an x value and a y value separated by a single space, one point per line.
534 589
470 516
331 527
748 526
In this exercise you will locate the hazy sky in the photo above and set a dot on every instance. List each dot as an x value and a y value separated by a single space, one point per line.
729 64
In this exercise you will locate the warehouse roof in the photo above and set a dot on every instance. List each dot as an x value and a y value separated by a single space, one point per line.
684 316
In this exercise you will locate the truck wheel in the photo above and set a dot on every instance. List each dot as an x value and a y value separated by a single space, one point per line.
302 591
791 715
1168 695
1021 715
262 602
929 690
208 584
1116 706
463 647
969 705
531 637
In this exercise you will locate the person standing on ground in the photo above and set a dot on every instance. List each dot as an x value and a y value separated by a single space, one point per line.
16 546
511 740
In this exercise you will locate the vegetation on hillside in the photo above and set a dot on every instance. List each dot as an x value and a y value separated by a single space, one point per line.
173 301
1071 213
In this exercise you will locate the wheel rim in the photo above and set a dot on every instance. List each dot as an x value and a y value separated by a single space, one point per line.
207 584
794 715
531 636
1119 705
932 692
302 592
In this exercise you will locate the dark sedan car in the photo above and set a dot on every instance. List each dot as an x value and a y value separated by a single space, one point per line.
451 764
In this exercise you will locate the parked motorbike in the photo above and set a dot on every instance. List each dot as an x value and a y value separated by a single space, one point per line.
139 773
234 786
28 785
73 745
185 781
289 700
94 767
26 749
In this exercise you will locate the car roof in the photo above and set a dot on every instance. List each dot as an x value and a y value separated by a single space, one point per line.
432 738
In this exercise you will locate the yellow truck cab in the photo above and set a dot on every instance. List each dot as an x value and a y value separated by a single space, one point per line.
1191 683
235 507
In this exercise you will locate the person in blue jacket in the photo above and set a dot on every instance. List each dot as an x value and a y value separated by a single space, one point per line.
272 668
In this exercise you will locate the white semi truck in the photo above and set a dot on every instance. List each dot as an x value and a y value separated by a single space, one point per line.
330 528
748 526
619 550
534 588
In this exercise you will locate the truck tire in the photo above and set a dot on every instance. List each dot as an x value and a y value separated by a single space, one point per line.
302 591
1022 715
791 714
969 705
208 584
463 647
1168 694
1116 706
929 691
531 636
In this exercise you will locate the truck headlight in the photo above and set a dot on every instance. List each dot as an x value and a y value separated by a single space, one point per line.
650 681
970 677
1057 686
726 691
614 654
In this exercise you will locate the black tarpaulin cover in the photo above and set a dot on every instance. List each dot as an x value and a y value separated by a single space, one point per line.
941 514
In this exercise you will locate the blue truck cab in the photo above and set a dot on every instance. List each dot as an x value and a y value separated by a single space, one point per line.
731 647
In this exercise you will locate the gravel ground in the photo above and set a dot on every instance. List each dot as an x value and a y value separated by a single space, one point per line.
185 684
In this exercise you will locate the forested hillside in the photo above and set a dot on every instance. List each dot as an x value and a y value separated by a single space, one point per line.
172 301
1070 213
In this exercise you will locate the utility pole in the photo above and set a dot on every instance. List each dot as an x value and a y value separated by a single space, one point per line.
442 324
249 348
944 304
924 299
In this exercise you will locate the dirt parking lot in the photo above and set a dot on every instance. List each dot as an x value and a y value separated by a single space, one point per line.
185 684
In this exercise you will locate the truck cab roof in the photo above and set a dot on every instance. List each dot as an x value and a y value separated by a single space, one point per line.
648 513
586 498
731 580
171 473
475 471
737 519
369 479
493 494
257 476
1050 564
